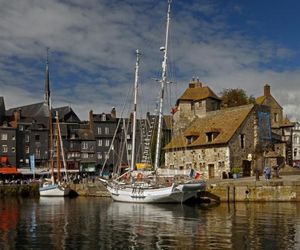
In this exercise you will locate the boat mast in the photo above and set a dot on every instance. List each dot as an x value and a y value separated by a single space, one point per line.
163 81
47 101
57 148
61 146
134 110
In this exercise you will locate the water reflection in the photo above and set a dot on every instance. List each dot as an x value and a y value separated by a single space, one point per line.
94 223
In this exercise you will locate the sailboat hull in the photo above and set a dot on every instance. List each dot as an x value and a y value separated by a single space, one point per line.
54 191
150 195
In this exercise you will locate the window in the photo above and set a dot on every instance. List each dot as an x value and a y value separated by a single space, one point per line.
295 152
4 137
106 130
4 148
37 137
129 146
27 138
100 143
275 117
103 117
38 152
71 144
21 127
84 145
106 155
27 150
13 149
85 155
242 140
107 143
13 137
99 130
99 155
209 137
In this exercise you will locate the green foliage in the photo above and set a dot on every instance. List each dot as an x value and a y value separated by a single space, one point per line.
236 170
235 97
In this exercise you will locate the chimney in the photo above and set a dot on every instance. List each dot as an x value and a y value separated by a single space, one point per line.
267 90
113 113
17 115
195 83
91 120
192 83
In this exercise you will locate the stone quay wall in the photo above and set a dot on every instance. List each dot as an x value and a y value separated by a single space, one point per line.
258 191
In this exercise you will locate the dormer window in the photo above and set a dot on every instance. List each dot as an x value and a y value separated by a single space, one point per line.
209 136
103 117
191 137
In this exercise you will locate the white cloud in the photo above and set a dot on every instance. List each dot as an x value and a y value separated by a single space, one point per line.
92 52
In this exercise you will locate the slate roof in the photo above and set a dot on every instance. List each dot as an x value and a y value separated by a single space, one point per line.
224 123
197 94
38 110
31 110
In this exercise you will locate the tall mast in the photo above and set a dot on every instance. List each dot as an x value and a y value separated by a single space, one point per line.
47 82
134 110
162 87
57 147
47 101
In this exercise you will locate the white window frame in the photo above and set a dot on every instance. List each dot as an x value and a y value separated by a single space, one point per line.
4 137
4 148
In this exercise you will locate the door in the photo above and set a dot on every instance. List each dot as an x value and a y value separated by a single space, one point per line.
246 168
211 171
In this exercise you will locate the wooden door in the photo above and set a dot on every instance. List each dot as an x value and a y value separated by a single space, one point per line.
211 171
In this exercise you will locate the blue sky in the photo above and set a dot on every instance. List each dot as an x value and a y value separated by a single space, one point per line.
227 44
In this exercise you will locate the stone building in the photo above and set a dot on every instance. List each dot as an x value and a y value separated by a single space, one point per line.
296 144
281 126
196 101
221 140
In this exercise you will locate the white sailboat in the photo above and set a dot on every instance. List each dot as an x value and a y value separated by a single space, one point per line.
56 187
149 190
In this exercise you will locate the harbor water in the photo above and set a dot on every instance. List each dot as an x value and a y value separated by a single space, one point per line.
99 223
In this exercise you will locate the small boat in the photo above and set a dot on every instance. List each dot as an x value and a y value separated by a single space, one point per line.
55 190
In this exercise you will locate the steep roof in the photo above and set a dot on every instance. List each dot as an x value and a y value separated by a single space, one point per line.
224 123
198 93
31 110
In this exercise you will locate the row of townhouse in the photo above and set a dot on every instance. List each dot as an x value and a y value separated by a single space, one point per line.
215 140
88 145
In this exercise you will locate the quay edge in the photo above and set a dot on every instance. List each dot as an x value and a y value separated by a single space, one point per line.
284 189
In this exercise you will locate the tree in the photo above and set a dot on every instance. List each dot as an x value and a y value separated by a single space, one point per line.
235 97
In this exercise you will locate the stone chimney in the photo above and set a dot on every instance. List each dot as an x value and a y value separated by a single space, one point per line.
267 90
195 83
91 120
17 115
113 113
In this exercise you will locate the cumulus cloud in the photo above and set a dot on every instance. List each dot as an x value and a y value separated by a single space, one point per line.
92 57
